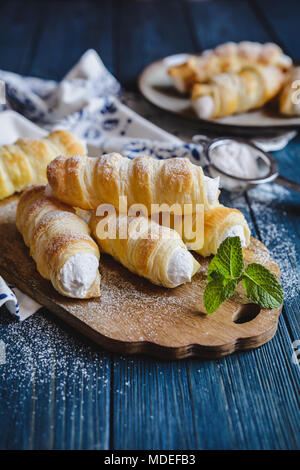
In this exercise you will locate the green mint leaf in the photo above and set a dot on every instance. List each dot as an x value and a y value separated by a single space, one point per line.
228 260
213 296
216 276
230 287
217 291
262 286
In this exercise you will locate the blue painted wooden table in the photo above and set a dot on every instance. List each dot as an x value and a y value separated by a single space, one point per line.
58 391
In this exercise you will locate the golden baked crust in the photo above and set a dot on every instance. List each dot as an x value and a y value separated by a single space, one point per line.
87 182
216 222
25 162
146 248
54 233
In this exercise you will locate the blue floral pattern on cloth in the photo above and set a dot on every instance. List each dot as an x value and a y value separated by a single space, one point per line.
8 298
135 148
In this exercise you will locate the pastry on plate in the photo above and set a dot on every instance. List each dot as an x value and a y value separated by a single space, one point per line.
289 99
228 57
25 162
88 182
145 248
231 93
59 243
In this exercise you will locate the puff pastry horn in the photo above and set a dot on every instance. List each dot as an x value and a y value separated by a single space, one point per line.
229 57
232 93
145 248
289 100
190 227
25 162
220 223
60 244
87 182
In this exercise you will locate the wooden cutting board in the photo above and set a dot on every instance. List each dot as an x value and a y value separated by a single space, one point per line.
133 316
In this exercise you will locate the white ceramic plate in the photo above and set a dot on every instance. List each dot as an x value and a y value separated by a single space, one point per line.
156 86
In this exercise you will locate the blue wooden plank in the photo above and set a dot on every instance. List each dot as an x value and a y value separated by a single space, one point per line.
239 403
69 29
282 19
18 32
54 388
234 403
147 32
152 408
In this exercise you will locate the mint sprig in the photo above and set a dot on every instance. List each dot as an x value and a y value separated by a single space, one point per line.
225 271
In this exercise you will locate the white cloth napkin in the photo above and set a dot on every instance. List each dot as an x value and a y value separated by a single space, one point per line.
86 102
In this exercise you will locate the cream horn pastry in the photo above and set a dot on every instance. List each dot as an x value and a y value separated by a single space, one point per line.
289 99
25 162
59 243
220 223
226 58
231 93
145 248
88 182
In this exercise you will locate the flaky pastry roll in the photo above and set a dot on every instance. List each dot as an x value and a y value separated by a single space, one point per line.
220 223
232 93
59 243
88 182
226 58
145 248
25 162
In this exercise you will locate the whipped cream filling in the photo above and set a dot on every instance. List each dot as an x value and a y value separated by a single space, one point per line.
78 274
236 231
179 84
212 186
204 106
181 266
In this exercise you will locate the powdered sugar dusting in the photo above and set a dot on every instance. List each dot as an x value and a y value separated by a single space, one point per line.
279 237
40 349
124 295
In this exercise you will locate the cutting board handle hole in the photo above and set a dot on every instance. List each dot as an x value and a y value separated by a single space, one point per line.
246 313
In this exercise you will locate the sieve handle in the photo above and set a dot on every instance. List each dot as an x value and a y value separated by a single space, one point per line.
292 185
